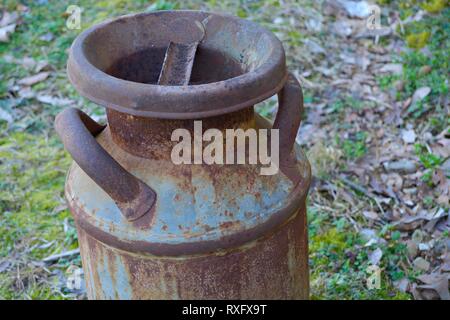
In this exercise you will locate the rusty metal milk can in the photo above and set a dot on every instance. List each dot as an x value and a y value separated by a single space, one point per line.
152 229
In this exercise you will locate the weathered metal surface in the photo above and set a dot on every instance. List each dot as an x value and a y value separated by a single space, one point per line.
215 231
199 207
76 129
229 42
272 267
150 138
177 66
287 120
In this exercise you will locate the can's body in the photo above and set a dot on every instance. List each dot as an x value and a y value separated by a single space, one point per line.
150 228
273 267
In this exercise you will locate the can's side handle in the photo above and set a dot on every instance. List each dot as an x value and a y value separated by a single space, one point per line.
287 121
77 132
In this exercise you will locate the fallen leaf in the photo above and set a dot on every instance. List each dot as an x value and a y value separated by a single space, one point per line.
408 136
403 165
355 9
5 115
420 94
47 37
406 103
370 215
28 63
408 223
313 46
29 81
5 32
375 256
342 28
446 265
363 62
436 282
42 65
446 167
415 292
435 218
411 248
26 93
424 246
314 25
54 101
425 70
46 245
394 68
402 284
4 265
418 236
369 234
8 18
421 264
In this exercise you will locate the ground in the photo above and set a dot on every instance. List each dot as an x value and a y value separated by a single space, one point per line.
375 128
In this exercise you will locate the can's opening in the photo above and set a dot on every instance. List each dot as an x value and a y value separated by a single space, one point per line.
145 66
117 64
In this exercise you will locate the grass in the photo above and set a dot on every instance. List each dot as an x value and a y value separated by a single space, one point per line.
340 264
428 68
35 223
354 147
430 162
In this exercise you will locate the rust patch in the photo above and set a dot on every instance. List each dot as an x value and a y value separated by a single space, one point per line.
265 261
272 267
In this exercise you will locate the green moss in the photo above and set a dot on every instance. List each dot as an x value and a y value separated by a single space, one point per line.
418 40
32 171
434 6
33 164
339 261
434 32
330 240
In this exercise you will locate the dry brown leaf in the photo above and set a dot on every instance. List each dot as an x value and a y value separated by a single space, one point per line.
375 256
4 265
354 9
372 215
27 62
408 136
4 115
31 80
402 285
54 101
420 94
402 165
394 68
8 18
6 31
421 264
437 282
42 66
408 223
26 93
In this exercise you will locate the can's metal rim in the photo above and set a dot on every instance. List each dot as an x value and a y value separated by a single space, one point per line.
291 209
178 102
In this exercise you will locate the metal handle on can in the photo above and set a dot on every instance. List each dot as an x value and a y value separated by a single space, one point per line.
287 120
77 131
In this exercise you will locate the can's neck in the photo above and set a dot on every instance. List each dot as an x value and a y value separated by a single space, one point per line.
151 138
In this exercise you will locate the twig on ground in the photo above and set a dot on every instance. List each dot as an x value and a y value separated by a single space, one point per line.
362 190
65 254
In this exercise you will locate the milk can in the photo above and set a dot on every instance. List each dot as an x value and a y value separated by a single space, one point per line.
150 228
